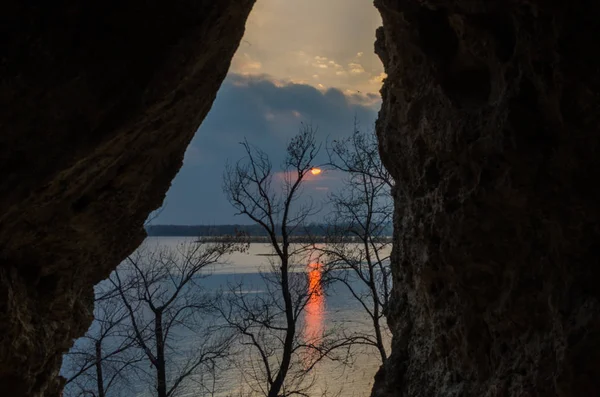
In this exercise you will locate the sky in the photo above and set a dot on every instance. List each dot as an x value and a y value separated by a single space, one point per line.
307 61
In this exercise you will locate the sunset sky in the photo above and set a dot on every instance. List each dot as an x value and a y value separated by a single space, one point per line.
320 43
310 61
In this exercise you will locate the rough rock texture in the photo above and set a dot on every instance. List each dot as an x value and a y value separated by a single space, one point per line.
98 101
490 125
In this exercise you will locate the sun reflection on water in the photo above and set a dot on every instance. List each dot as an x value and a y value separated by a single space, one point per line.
315 309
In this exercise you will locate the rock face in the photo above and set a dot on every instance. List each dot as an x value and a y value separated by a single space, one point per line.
490 126
98 101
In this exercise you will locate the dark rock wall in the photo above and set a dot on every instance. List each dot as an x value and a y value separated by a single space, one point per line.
98 101
490 126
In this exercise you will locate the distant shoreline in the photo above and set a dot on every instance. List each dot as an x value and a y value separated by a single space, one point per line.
313 232
293 239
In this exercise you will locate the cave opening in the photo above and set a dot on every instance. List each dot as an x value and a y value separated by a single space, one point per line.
298 64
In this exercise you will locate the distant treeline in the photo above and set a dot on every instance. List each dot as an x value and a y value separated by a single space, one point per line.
314 229
312 239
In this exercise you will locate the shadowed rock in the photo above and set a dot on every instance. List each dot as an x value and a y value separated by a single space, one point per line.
98 101
490 126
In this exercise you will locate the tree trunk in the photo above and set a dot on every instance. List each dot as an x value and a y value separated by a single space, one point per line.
376 311
288 344
99 375
161 376
373 288
378 336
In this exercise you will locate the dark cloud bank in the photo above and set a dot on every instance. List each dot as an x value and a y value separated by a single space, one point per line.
267 114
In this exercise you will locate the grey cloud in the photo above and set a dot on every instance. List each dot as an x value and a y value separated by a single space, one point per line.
257 109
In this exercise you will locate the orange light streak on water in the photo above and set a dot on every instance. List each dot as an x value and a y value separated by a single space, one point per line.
315 309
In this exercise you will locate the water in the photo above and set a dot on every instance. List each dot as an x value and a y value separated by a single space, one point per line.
325 312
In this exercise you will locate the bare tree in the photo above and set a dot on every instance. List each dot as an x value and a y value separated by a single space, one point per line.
357 249
101 362
168 312
267 323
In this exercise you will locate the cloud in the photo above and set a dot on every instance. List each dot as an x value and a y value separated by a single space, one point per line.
268 113
321 62
245 64
356 68
379 78
368 99
293 39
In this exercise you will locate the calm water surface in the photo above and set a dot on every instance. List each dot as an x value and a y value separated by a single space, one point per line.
324 312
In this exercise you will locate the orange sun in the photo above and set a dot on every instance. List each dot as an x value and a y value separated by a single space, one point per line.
315 171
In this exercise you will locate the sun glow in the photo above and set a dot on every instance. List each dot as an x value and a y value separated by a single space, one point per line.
315 171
